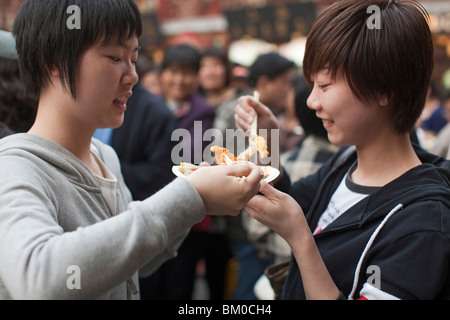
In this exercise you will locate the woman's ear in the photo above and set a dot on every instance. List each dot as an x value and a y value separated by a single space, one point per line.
53 72
54 78
383 100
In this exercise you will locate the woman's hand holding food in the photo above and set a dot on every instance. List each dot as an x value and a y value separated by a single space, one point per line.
225 190
246 110
280 212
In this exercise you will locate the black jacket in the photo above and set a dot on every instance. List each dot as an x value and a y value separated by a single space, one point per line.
143 143
411 246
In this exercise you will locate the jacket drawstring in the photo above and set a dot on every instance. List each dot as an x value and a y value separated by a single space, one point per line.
368 245
133 287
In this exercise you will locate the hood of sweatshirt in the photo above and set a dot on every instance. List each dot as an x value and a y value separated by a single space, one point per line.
417 192
429 181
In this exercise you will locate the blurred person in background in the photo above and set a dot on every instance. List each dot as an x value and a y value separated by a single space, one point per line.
179 85
433 117
441 145
239 77
149 72
17 105
291 132
215 85
271 75
214 76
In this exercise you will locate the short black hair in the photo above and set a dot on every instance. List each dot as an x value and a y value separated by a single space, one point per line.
270 65
43 39
183 56
395 60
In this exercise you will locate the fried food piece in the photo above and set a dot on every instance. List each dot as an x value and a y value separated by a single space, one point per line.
222 155
256 144
266 171
187 168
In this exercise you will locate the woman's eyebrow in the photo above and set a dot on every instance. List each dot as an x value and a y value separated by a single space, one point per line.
122 45
135 49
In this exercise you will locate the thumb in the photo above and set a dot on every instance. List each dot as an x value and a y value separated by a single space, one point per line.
268 190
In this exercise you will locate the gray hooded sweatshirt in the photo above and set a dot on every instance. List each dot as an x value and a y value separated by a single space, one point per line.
58 238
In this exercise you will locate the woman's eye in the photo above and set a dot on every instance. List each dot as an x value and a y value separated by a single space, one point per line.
115 59
323 86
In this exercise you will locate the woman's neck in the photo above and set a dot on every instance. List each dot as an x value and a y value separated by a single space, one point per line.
385 160
54 123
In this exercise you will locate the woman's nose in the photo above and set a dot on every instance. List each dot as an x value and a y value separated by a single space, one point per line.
313 102
131 77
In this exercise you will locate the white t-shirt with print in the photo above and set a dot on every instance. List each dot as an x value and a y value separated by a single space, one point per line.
346 195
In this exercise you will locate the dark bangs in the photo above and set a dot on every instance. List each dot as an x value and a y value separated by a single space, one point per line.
45 41
395 60
341 41
323 49
115 22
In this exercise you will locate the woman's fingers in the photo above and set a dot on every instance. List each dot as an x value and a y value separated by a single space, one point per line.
225 190
244 115
246 110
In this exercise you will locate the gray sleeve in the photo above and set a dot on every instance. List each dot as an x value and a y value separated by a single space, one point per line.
35 251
